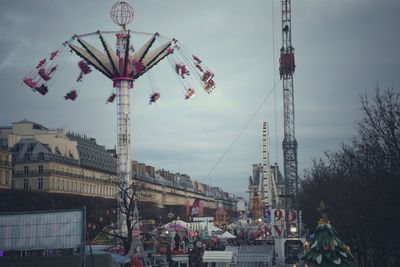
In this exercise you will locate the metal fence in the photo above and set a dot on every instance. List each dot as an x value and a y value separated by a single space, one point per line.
259 255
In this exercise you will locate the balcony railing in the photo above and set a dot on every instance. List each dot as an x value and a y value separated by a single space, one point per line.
88 164
61 173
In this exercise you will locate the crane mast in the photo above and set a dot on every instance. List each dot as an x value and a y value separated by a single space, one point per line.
286 70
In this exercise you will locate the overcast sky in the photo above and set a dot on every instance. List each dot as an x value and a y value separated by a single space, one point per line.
343 48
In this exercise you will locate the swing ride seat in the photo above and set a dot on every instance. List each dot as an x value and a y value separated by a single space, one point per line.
178 67
199 67
30 82
111 98
41 63
53 54
208 75
190 93
154 97
71 95
209 86
196 59
84 67
43 74
181 70
42 89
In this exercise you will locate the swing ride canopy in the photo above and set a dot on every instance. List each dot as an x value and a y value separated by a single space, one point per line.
125 66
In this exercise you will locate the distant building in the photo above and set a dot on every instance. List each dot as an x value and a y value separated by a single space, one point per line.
57 161
34 157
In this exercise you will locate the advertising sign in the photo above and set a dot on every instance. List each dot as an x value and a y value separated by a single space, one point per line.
282 220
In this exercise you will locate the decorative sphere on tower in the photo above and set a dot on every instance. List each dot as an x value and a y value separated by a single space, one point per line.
121 13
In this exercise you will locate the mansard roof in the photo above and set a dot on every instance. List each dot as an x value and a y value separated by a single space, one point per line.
93 155
38 151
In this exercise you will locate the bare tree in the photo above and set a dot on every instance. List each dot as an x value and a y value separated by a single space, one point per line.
380 126
361 183
128 194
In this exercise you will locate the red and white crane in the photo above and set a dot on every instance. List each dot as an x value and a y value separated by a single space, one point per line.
286 70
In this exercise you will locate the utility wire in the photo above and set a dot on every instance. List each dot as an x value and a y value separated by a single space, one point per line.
240 134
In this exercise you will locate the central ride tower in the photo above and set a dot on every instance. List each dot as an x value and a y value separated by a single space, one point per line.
122 14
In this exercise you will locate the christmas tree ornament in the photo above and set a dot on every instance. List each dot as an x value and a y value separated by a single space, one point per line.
327 249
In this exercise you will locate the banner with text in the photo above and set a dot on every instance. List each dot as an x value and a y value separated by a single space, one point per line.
282 220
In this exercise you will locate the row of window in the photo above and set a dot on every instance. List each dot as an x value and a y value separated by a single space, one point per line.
27 156
71 186
39 184
72 170
26 169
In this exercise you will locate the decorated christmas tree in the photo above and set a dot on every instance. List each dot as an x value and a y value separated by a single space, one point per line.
326 249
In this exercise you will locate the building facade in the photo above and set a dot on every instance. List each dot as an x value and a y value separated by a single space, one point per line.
58 161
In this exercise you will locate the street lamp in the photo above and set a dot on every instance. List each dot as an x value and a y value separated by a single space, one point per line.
293 230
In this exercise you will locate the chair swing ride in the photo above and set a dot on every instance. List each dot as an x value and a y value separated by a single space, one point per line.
123 66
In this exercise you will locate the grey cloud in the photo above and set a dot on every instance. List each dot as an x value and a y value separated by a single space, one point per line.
342 48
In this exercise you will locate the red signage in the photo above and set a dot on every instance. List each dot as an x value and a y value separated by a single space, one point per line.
282 220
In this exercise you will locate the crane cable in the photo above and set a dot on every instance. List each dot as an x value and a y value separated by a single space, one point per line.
259 108
240 133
